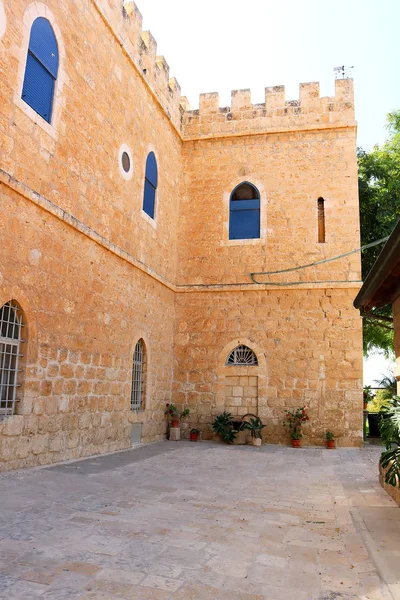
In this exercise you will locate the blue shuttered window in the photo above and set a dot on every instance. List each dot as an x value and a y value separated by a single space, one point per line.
244 213
150 185
41 68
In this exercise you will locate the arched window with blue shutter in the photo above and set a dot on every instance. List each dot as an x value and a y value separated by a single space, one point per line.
244 212
41 68
150 185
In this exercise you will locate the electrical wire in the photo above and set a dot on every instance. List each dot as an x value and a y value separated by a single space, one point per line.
314 264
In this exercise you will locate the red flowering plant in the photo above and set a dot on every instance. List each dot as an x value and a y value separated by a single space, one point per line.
294 421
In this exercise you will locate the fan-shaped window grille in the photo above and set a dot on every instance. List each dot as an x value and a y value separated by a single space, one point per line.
242 355
41 68
139 377
10 340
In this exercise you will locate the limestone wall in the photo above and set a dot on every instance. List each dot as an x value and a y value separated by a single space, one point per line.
308 345
396 317
84 310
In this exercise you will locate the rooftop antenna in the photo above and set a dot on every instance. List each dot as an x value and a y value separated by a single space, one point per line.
343 72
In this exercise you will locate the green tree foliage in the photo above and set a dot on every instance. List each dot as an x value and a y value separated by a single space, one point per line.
379 191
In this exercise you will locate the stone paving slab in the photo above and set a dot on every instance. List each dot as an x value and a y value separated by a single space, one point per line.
180 521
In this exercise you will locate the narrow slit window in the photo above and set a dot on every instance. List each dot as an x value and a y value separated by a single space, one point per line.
321 220
10 352
139 377
41 69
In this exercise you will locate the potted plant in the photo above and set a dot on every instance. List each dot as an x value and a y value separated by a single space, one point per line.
255 426
330 440
194 434
223 426
172 412
294 421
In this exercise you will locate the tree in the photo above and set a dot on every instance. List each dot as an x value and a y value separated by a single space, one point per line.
379 193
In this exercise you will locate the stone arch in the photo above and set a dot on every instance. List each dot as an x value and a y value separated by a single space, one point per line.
249 381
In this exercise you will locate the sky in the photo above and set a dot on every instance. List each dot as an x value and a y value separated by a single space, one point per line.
218 46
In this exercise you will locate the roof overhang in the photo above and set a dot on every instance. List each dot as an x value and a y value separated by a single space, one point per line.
382 285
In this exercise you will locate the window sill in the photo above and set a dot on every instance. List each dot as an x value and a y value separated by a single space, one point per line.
249 242
33 115
149 220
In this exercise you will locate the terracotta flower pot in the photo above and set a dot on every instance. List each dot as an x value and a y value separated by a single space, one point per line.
296 443
330 444
256 441
365 405
194 437
174 423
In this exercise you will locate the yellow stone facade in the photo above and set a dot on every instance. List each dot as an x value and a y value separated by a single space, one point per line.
93 273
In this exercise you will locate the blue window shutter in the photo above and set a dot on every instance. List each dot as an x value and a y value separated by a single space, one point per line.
149 199
244 215
38 88
151 169
41 68
150 185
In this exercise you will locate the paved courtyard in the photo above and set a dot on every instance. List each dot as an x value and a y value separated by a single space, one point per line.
204 521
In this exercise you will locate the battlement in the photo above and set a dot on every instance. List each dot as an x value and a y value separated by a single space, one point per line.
125 21
210 120
275 114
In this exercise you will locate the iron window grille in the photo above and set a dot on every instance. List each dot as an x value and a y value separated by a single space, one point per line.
138 377
10 343
242 355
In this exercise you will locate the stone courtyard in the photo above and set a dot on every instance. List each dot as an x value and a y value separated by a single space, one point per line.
201 521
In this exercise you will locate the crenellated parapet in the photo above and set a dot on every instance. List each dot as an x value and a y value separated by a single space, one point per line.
125 21
274 115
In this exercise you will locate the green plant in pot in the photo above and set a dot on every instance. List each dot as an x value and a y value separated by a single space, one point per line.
294 422
255 427
390 435
330 440
223 426
194 434
172 413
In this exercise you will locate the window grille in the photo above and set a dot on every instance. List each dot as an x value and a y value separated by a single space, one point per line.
41 68
138 377
150 185
244 212
242 355
10 341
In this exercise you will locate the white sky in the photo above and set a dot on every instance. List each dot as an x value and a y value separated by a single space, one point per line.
214 45
217 46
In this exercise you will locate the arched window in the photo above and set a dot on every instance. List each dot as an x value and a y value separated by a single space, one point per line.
41 68
138 396
321 220
242 355
10 341
244 212
150 185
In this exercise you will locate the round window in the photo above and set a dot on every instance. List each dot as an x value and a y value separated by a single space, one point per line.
126 162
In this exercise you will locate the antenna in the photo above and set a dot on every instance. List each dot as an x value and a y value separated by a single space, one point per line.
343 72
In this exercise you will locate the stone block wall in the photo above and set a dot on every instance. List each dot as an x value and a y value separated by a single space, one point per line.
93 273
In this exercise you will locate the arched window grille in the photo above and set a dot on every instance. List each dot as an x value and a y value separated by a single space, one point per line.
150 185
139 377
242 355
41 68
244 212
11 324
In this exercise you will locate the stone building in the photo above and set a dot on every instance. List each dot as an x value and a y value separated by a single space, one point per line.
130 226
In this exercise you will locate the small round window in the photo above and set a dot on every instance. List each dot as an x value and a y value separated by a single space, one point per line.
125 162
